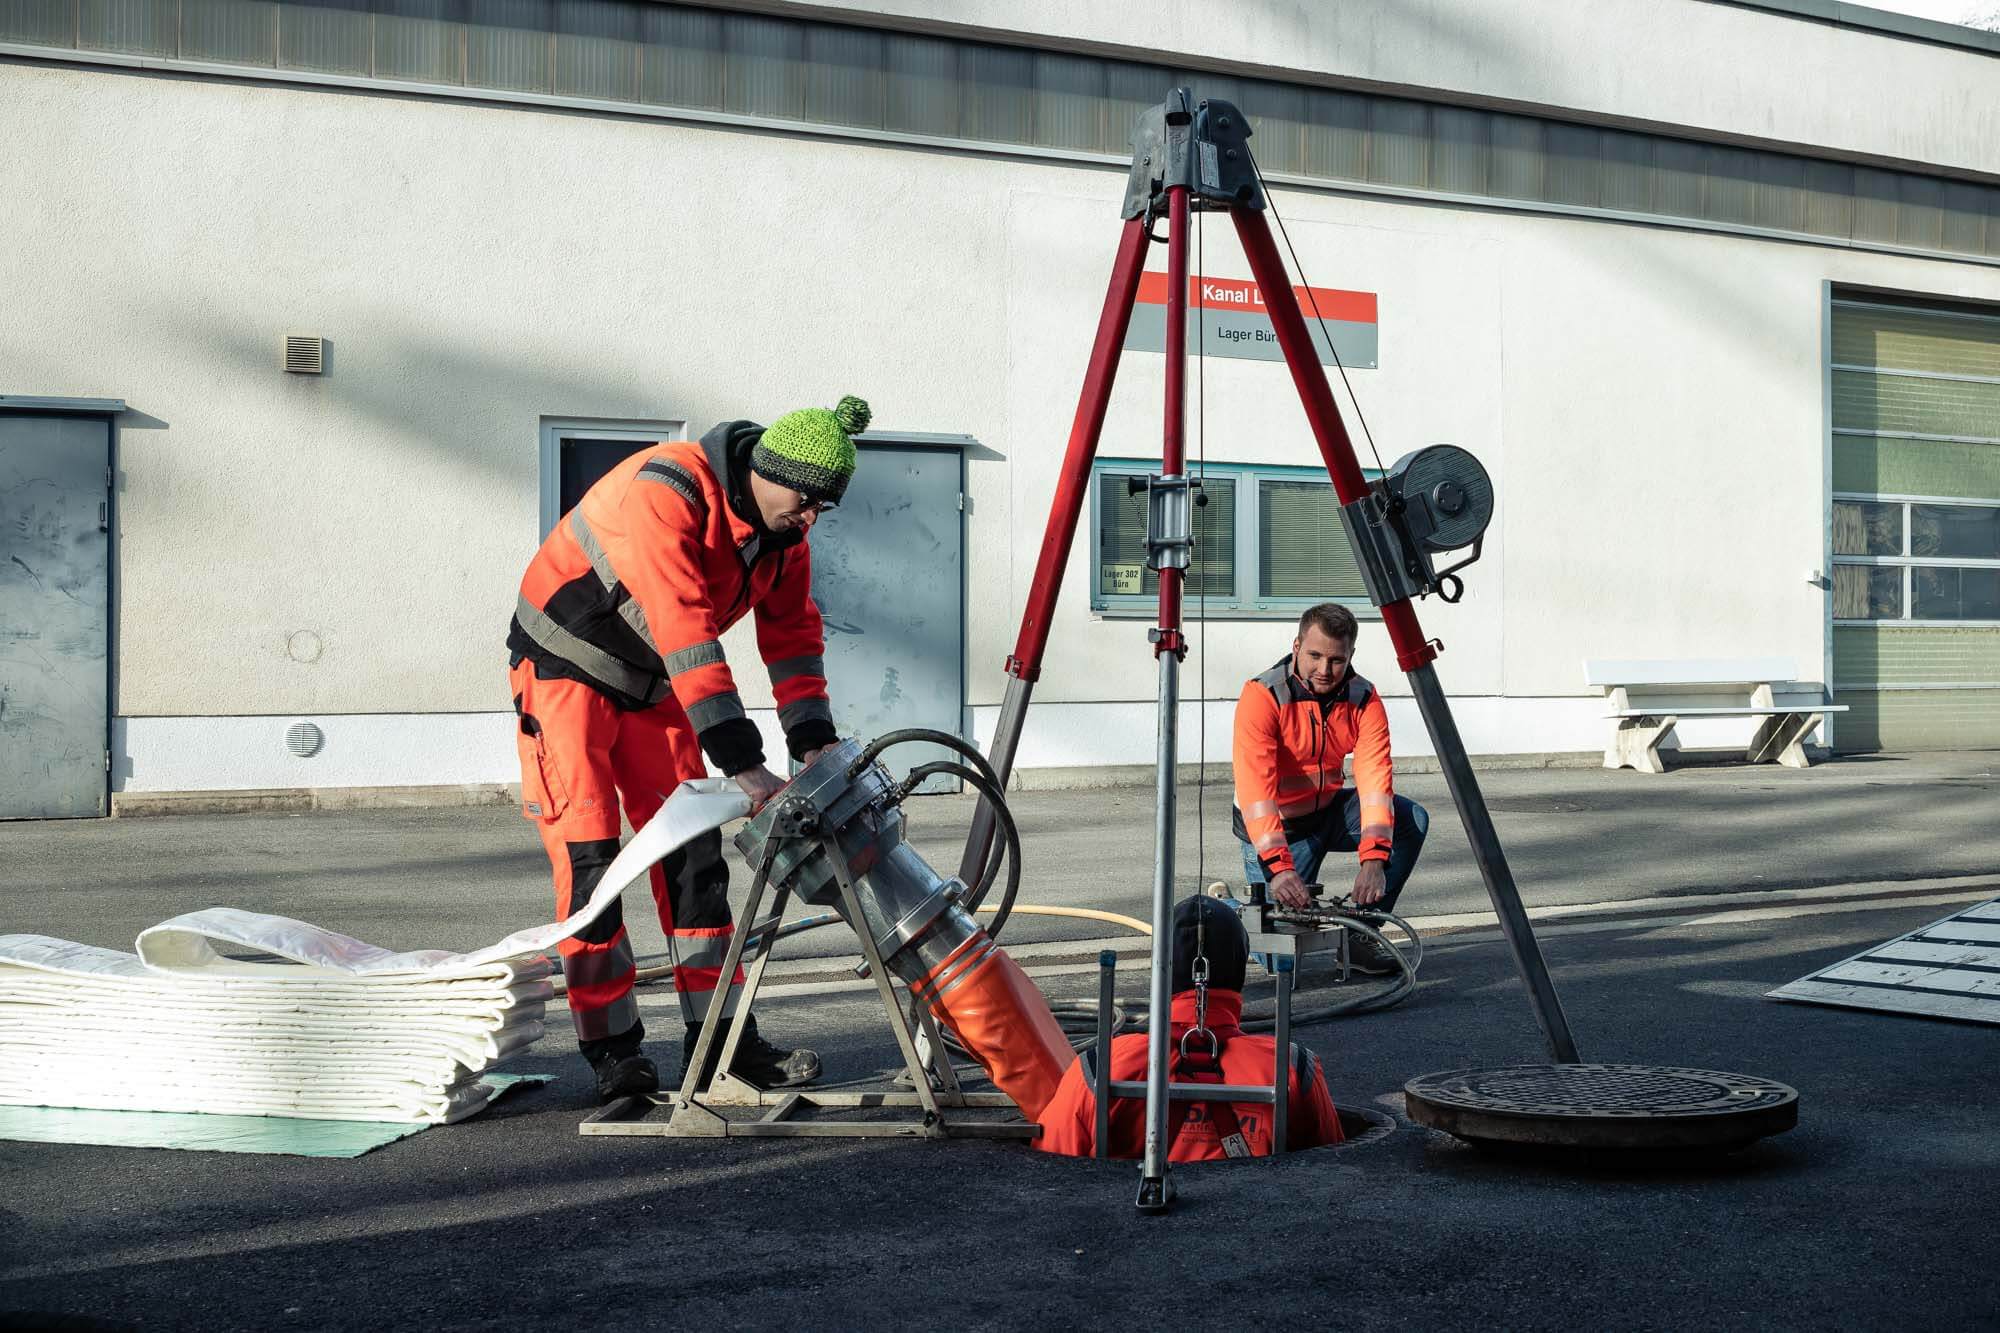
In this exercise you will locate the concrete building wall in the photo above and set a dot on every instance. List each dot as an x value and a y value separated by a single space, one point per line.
346 548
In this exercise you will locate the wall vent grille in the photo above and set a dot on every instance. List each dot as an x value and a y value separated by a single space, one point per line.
304 354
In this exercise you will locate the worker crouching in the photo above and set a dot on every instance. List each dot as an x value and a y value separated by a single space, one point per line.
1197 1131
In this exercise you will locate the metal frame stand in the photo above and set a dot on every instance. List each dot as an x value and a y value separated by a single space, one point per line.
694 1112
1198 157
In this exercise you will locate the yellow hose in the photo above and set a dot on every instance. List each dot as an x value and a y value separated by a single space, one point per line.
1082 913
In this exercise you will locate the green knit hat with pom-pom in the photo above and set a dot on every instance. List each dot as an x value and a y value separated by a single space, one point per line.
812 449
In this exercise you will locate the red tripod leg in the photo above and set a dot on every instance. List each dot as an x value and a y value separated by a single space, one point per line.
1074 486
1413 653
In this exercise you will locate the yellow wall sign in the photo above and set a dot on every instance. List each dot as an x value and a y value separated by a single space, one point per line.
1123 579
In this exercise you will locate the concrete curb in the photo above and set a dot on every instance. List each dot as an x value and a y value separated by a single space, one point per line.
300 800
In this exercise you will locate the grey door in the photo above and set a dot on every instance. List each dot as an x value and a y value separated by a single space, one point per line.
54 615
889 577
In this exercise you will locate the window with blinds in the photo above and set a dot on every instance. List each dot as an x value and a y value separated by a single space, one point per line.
782 68
1302 551
1269 540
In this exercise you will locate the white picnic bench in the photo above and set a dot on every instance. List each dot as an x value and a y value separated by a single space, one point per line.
1648 697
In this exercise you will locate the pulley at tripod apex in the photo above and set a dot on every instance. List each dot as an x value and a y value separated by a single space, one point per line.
1431 502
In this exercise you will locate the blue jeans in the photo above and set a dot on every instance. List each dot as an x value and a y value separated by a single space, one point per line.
1339 830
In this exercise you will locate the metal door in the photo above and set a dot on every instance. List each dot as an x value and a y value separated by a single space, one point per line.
889 577
54 615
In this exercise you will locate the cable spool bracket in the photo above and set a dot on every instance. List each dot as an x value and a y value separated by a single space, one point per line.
1435 500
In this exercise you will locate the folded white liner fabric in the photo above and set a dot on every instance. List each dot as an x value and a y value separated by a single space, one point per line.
329 1028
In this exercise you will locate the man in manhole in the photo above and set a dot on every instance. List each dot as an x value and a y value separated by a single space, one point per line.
1208 1045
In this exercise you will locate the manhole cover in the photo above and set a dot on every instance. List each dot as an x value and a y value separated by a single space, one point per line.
1602 1106
1534 805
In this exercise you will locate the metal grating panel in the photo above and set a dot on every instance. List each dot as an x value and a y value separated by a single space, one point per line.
1948 969
304 354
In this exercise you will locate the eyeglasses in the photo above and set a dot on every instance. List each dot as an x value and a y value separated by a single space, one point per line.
808 505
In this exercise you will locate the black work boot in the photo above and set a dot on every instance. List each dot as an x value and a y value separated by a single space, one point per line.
625 1076
757 1061
620 1069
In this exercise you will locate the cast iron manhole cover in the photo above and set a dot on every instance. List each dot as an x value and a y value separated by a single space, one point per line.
1534 805
1602 1106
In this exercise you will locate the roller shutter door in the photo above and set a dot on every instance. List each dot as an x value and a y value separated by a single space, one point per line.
1916 526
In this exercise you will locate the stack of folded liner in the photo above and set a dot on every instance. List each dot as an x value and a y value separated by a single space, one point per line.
322 1026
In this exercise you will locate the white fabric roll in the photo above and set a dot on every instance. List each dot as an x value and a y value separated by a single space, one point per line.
330 1027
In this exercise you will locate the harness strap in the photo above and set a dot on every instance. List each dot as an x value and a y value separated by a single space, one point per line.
1227 1127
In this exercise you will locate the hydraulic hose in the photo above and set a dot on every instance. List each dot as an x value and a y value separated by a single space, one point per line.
993 790
1012 845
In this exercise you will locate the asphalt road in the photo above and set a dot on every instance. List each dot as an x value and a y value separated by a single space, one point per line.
1873 1213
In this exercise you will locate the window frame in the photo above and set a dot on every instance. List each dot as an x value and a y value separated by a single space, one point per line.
551 433
1907 562
1246 603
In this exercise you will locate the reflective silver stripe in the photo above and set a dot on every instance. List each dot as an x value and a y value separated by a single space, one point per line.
621 676
612 1019
669 473
579 528
805 710
697 1005
707 653
633 613
719 708
787 668
699 950
599 967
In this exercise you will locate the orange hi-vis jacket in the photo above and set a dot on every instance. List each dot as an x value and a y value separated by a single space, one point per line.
1290 748
632 590
1197 1131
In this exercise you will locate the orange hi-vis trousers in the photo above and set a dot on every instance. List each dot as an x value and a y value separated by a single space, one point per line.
582 758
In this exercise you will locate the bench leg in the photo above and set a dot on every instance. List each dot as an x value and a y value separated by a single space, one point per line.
1783 738
1636 743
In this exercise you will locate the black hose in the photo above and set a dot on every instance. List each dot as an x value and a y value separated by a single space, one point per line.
1012 846
926 734
911 735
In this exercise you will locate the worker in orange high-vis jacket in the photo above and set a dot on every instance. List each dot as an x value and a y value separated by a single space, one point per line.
1198 1131
621 689
1296 724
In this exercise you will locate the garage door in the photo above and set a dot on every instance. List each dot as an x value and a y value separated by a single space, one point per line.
1916 526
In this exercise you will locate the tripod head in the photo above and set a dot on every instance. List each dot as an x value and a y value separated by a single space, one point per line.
1204 147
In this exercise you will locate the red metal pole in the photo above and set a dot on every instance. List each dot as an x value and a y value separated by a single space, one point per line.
1399 618
1074 484
1173 450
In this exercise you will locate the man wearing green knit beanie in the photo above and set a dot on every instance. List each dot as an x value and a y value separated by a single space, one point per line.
623 692
802 464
